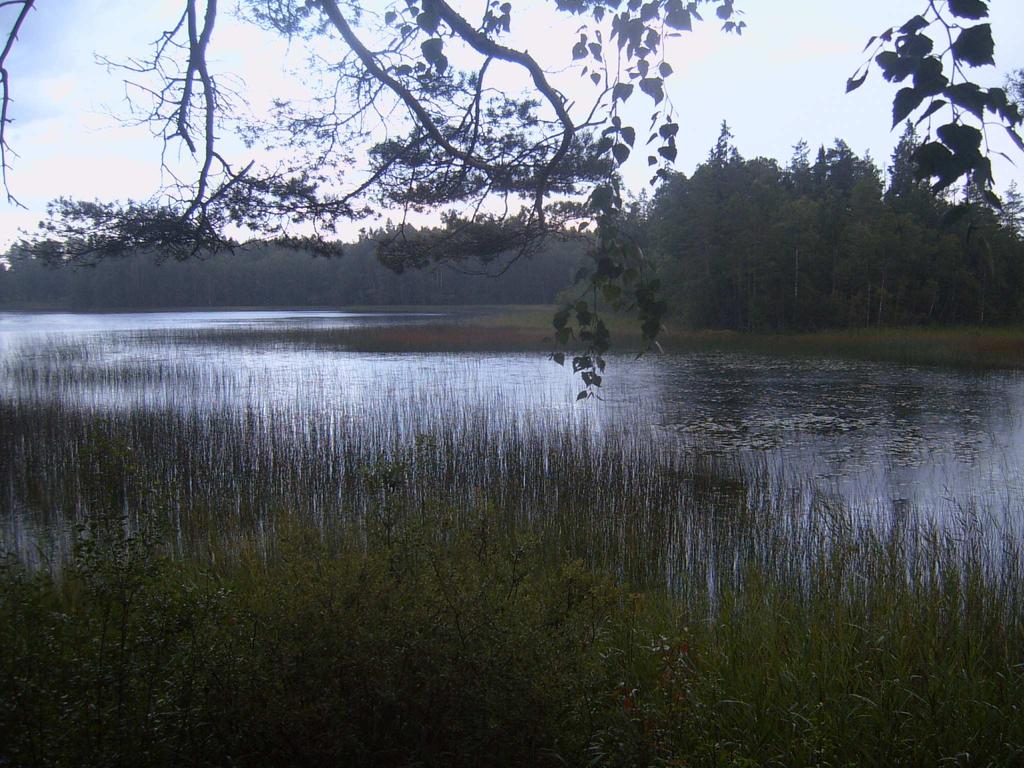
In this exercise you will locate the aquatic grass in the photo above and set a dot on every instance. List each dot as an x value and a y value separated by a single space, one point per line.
436 642
221 479
229 474
213 578
529 329
508 329
433 337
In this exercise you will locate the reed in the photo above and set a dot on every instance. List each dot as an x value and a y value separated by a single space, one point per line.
528 329
215 580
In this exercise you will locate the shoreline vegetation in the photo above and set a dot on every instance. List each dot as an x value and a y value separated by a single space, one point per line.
969 346
411 582
528 329
237 587
455 644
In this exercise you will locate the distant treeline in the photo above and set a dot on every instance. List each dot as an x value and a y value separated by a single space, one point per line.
266 276
831 242
741 244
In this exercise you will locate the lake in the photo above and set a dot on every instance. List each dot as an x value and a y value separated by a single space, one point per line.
873 436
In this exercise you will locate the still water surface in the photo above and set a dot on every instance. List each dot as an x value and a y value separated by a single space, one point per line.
876 435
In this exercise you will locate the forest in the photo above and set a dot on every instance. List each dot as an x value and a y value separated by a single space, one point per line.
269 276
832 242
741 244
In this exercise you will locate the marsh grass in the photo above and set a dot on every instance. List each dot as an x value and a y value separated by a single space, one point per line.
415 583
433 337
529 329
233 587
223 480
447 639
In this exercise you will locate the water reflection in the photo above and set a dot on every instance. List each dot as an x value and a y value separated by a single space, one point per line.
871 431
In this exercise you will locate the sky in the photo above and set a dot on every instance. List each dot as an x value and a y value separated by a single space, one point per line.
781 81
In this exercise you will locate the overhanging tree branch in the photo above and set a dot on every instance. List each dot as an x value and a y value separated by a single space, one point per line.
484 45
5 90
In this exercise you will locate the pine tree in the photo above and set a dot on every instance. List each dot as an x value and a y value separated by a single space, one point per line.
724 151
1011 216
907 193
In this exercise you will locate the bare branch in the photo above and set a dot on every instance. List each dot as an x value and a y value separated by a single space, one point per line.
5 90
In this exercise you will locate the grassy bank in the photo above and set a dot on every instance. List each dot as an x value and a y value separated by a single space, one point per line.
528 329
519 329
426 646
229 588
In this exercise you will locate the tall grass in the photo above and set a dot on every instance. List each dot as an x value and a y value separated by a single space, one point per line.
416 583
224 480
450 636
513 329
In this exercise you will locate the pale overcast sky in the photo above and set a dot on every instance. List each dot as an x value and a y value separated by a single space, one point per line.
782 81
